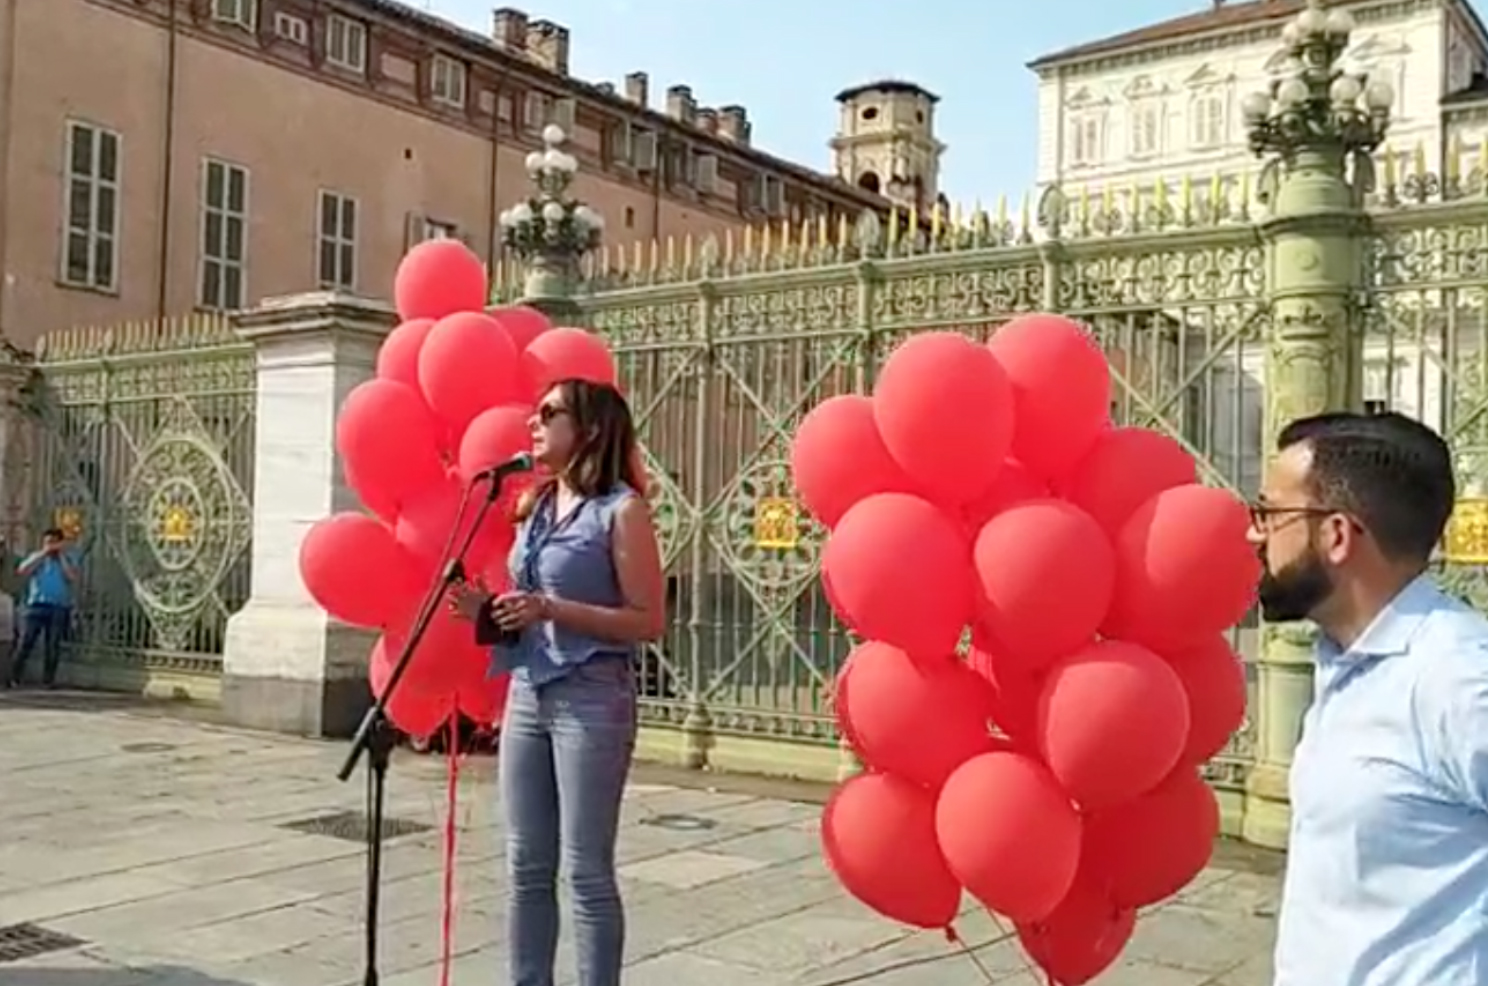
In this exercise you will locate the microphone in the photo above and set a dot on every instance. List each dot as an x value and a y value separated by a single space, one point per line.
522 462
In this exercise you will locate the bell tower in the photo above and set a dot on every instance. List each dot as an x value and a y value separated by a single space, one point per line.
886 144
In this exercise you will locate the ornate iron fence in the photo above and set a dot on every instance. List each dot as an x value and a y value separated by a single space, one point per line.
145 457
725 345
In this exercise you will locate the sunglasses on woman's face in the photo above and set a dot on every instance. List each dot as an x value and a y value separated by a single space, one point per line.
547 412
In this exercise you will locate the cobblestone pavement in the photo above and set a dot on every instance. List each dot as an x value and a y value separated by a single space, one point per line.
162 846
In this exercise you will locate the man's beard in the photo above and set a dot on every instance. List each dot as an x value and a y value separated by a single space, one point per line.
1294 591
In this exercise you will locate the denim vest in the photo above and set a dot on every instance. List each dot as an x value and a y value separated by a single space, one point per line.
569 559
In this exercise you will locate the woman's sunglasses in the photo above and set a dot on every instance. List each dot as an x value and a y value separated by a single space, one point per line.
547 412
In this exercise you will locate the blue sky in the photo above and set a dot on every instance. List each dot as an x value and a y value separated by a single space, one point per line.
786 59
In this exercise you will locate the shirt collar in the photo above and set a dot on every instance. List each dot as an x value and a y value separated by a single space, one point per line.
1391 632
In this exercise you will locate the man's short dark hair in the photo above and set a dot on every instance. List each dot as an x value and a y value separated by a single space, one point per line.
1389 471
53 534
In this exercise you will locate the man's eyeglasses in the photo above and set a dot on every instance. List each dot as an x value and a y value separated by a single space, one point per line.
1263 514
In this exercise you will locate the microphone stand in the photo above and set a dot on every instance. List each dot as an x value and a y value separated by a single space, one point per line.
375 736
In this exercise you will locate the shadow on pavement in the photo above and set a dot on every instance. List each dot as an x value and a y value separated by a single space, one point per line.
82 700
152 975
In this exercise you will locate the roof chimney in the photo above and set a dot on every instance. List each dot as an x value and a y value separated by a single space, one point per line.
707 120
547 45
733 124
681 106
509 28
637 85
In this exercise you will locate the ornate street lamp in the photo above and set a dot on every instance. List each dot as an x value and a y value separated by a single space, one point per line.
550 231
1316 128
1319 109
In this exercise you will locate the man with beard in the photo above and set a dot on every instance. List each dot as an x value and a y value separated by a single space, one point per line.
1387 869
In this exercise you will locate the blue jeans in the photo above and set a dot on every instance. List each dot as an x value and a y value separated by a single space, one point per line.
37 622
565 752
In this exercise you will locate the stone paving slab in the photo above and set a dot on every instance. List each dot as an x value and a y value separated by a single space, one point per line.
159 843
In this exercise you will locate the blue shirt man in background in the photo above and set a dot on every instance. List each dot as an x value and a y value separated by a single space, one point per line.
49 575
1387 865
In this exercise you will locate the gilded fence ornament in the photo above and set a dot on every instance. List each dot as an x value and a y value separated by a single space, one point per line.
777 523
69 520
1466 540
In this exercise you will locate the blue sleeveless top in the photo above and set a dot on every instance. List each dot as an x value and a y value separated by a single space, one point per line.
569 559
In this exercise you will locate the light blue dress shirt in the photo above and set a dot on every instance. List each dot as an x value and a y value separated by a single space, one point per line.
1387 869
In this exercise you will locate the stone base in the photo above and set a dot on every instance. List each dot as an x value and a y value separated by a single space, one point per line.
291 669
329 709
1268 814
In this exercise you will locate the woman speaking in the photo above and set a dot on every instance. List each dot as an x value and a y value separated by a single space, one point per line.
588 589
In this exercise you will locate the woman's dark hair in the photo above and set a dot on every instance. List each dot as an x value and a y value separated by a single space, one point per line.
606 453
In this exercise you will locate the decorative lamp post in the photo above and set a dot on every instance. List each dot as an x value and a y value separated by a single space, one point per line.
1321 114
1316 129
550 231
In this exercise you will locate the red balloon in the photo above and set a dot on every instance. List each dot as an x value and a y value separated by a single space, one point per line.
838 458
1009 834
397 357
945 410
438 278
468 364
566 354
1123 470
1015 484
1150 848
493 437
416 710
425 525
447 658
522 322
1184 569
919 720
356 571
1081 939
1213 678
484 702
389 441
1015 690
1046 572
900 572
1113 721
372 498
878 834
1062 389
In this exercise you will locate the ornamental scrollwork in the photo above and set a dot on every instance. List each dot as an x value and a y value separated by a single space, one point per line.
185 522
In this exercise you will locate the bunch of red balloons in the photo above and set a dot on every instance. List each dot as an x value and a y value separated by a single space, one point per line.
1051 768
453 395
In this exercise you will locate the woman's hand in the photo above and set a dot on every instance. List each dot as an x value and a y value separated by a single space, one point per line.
519 610
466 600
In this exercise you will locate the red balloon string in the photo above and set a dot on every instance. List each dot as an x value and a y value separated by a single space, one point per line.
954 937
447 907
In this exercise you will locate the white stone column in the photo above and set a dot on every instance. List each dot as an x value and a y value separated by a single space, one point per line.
287 666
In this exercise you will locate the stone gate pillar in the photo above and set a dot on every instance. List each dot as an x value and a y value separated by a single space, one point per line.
287 666
1316 130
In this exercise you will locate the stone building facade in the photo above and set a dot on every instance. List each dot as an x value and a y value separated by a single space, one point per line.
1166 100
164 156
